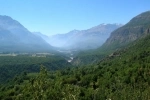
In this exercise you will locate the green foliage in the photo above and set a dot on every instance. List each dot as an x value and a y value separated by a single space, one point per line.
11 66
122 75
37 86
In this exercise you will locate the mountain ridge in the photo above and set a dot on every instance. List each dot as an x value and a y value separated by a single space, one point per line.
136 28
15 37
84 39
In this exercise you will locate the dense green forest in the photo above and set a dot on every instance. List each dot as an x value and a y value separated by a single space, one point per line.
118 71
11 66
122 75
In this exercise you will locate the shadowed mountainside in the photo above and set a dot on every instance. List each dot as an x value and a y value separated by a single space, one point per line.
15 37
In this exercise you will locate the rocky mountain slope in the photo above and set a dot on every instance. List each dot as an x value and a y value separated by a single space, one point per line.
137 27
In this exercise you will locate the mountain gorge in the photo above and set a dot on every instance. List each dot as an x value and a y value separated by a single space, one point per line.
15 37
85 39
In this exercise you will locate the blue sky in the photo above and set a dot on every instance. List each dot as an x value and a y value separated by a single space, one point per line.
61 16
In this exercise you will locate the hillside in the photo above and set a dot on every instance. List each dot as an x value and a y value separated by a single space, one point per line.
14 37
123 75
84 39
136 28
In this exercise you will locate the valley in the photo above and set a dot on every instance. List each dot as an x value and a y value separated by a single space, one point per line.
105 62
27 54
82 39
69 54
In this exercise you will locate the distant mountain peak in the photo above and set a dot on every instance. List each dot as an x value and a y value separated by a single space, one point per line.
84 39
9 23
74 31
15 37
103 24
103 27
4 17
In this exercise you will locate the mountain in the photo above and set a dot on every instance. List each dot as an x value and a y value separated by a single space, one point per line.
45 37
134 29
138 27
60 40
15 37
85 39
123 75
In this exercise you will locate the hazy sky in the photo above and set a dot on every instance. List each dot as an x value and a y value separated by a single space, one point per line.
61 16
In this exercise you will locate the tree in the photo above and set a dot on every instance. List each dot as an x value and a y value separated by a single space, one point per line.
38 87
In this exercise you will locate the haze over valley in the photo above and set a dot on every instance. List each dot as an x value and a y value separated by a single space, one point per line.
83 39
74 50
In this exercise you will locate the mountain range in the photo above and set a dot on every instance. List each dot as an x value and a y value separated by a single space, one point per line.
83 39
121 74
137 28
15 37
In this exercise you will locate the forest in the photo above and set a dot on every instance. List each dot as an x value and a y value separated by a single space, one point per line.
122 75
10 66
118 70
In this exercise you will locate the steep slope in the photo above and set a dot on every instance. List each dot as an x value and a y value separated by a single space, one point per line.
60 40
43 36
84 39
15 37
136 28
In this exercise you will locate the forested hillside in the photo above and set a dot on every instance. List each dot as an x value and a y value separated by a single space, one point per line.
122 75
118 70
